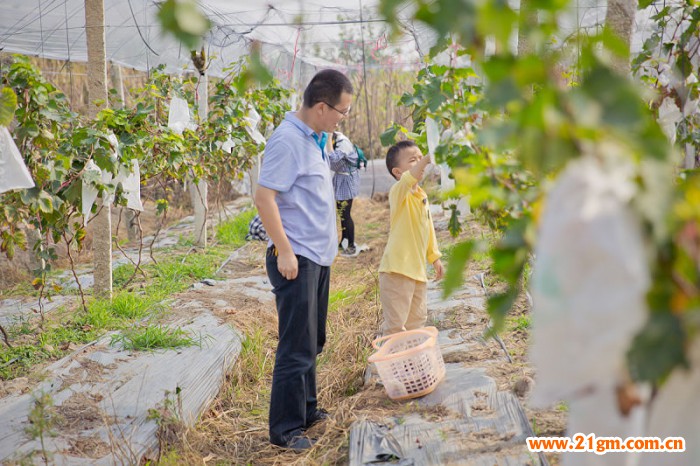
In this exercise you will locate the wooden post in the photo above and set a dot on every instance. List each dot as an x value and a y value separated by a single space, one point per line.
619 17
97 91
198 191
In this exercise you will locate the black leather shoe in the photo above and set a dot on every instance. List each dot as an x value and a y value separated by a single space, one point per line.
318 416
298 443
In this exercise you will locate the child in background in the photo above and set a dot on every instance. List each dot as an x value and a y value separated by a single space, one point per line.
345 163
402 271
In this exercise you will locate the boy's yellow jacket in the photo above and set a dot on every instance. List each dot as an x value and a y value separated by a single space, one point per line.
412 235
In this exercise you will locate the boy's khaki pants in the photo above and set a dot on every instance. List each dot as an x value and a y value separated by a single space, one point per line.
404 302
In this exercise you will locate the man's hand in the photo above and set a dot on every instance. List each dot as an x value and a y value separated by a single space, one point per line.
288 265
439 270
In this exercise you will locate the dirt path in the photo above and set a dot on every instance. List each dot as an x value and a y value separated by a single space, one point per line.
228 424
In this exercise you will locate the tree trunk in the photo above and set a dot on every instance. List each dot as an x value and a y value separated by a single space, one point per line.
619 18
97 91
198 191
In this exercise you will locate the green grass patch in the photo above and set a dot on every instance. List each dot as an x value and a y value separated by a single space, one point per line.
154 337
232 232
254 356
518 323
125 307
48 345
372 227
121 274
346 296
33 345
176 274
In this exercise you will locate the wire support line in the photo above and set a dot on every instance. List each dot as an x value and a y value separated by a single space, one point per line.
231 25
139 30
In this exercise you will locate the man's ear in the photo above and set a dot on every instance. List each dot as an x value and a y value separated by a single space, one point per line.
317 107
396 171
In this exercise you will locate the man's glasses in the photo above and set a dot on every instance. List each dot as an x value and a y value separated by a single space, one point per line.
345 113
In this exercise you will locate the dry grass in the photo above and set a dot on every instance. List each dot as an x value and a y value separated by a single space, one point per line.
235 430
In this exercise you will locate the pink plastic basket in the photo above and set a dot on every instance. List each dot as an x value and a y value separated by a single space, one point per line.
409 363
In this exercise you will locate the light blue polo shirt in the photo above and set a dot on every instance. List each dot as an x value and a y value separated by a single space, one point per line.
295 166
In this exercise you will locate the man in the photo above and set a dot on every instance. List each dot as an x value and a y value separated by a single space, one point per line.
296 204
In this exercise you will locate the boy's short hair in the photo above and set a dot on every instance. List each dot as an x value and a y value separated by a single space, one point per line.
392 155
326 86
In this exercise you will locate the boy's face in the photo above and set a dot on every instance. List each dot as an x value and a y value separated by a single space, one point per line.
408 157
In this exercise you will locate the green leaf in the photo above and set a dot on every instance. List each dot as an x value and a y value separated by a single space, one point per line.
658 348
8 104
184 20
615 44
455 268
434 95
73 193
190 18
388 137
161 206
684 64
256 73
621 105
45 202
499 305
495 18
445 16
454 226
30 129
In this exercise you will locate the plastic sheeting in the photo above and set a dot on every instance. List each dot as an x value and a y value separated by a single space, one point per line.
56 29
130 180
344 144
252 120
179 118
13 172
484 427
131 184
303 32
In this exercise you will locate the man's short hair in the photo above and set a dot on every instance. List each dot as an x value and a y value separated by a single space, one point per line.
392 155
326 86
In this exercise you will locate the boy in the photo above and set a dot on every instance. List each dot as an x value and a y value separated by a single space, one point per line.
402 271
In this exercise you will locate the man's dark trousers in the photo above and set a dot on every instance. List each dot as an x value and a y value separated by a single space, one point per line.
302 306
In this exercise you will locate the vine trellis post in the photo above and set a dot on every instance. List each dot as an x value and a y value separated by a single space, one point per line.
199 190
97 92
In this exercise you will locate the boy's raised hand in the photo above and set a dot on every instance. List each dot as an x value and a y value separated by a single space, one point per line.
439 270
418 169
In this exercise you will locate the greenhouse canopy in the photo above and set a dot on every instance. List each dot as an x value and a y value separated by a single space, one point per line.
292 33
297 36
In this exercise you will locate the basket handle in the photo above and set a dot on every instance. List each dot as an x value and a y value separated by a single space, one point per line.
427 330
376 341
